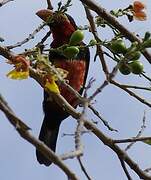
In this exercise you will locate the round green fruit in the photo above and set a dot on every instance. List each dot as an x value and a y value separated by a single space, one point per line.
124 69
92 42
76 37
71 52
136 67
118 46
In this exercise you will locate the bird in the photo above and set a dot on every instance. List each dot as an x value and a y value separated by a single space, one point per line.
62 25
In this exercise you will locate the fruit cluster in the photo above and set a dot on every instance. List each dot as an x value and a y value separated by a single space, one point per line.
72 50
130 61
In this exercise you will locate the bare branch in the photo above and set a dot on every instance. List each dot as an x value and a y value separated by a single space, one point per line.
45 37
78 144
105 83
125 169
98 90
5 2
146 77
49 5
83 169
133 139
30 37
95 34
131 93
139 133
147 170
101 118
136 87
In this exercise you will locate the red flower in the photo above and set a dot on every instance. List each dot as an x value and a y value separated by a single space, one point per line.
137 10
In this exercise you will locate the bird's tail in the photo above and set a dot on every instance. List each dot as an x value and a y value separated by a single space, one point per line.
49 136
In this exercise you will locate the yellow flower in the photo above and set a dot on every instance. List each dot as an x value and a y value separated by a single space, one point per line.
18 75
50 80
51 85
21 70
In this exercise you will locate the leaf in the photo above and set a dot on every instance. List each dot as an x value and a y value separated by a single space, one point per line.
52 86
18 75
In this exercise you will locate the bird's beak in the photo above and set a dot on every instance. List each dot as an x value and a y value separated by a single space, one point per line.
44 14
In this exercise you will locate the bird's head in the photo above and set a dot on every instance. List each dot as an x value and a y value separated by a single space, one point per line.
61 25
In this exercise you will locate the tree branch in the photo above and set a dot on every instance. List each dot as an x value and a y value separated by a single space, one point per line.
125 169
49 5
143 126
131 93
83 169
95 34
5 2
31 36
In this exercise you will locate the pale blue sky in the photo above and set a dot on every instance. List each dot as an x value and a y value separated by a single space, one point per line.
17 157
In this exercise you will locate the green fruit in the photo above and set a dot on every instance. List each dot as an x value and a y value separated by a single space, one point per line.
92 42
147 36
124 69
118 46
76 37
136 67
135 55
71 52
147 44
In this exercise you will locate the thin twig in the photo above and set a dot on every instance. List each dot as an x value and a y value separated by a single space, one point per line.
79 129
143 126
101 118
95 34
133 139
136 87
31 36
146 77
131 93
147 170
45 37
98 90
83 169
125 169
105 83
4 2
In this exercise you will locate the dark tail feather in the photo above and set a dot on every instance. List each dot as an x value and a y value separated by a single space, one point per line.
49 137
